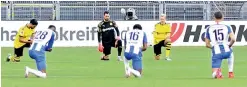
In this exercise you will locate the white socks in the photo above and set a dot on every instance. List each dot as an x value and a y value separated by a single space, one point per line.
231 63
120 58
36 72
135 72
214 75
129 70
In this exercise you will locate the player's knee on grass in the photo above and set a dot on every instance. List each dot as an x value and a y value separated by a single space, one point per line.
32 54
216 62
157 49
41 63
107 50
137 64
18 52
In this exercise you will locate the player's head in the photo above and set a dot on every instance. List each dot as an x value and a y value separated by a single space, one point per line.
33 23
137 26
52 27
218 16
106 16
163 18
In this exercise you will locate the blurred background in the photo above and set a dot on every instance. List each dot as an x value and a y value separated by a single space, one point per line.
121 10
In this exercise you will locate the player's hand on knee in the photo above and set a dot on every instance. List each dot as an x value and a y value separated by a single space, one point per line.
167 40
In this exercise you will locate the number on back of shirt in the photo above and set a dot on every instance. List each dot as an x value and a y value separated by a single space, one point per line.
219 35
40 35
134 35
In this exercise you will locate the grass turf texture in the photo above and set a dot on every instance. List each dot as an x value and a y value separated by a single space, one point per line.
82 67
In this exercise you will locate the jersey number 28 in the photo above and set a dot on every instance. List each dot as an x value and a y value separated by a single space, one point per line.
40 34
219 35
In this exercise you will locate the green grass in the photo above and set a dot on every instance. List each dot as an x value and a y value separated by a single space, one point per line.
81 67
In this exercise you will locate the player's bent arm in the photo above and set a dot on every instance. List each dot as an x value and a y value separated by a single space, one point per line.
207 39
125 42
99 32
116 28
232 37
99 37
24 41
208 45
145 41
144 48
50 43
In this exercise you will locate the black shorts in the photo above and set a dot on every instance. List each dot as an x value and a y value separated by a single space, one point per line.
19 51
157 47
109 44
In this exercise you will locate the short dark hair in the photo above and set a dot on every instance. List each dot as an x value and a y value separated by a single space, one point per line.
51 26
106 12
137 26
218 15
34 22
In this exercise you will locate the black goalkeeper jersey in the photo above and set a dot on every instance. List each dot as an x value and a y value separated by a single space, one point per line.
107 31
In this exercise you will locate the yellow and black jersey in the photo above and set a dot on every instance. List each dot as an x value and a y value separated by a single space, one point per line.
161 31
24 32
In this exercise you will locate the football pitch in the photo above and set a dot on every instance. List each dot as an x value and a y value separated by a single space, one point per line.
82 67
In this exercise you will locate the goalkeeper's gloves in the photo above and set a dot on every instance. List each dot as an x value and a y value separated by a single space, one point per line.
100 47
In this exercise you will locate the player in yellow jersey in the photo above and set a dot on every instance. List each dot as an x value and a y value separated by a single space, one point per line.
162 38
22 40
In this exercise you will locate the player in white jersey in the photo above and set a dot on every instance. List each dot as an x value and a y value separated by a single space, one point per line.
42 42
135 43
216 39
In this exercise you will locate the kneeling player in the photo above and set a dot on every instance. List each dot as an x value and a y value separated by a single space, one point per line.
108 36
135 44
22 40
162 38
218 35
43 41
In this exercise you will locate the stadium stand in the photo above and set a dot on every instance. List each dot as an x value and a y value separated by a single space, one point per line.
145 10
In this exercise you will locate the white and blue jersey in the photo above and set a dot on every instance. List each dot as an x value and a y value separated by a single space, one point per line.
218 34
42 41
134 40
